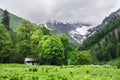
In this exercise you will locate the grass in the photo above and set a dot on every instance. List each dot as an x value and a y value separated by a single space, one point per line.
71 72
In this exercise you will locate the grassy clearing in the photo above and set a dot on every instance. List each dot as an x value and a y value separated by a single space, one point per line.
86 72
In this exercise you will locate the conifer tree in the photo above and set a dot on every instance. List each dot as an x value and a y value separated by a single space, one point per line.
6 19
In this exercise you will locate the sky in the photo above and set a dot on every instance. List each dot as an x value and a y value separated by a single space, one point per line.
42 11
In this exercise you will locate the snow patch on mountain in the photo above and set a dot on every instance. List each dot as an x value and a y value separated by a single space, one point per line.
84 29
81 33
47 27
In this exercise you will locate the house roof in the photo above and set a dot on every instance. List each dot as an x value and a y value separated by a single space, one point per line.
30 59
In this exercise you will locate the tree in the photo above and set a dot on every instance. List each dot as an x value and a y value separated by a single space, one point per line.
23 41
118 50
5 45
67 47
5 20
45 31
72 57
83 57
79 58
111 49
51 51
35 38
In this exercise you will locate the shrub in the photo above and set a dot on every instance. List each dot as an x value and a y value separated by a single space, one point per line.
35 78
118 64
33 69
83 57
14 77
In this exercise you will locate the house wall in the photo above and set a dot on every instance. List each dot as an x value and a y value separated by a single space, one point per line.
31 63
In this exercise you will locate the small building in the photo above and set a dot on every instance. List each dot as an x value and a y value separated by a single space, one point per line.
31 61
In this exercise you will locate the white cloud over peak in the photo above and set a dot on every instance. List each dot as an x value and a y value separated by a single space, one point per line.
40 11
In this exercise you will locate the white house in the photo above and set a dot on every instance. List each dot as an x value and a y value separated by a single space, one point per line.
31 61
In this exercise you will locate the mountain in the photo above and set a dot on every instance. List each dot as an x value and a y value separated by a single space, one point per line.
109 23
75 31
78 31
104 44
14 20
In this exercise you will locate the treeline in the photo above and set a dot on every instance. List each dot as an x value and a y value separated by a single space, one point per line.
37 42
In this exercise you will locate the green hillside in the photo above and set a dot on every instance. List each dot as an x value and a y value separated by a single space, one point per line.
14 20
104 45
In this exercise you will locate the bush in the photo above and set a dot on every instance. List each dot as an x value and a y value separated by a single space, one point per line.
14 77
118 64
79 58
115 63
33 69
35 78
83 57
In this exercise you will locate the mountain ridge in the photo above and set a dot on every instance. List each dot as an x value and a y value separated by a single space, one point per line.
14 20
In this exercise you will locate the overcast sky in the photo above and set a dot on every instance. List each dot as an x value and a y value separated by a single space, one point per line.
41 11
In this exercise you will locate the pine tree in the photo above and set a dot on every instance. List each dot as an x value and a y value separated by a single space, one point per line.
5 20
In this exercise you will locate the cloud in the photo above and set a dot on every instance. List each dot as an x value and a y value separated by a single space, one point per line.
40 11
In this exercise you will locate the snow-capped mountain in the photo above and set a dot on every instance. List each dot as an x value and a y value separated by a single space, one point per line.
78 31
74 31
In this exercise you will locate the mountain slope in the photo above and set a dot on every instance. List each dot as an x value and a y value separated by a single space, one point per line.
14 20
109 23
101 33
75 31
104 44
108 47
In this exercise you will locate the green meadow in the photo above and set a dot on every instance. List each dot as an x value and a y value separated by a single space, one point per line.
46 72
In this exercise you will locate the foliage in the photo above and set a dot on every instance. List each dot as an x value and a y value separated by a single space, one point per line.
34 69
51 50
115 62
67 47
108 48
82 57
5 20
45 31
5 45
23 42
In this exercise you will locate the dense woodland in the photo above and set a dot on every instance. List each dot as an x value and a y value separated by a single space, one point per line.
35 41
